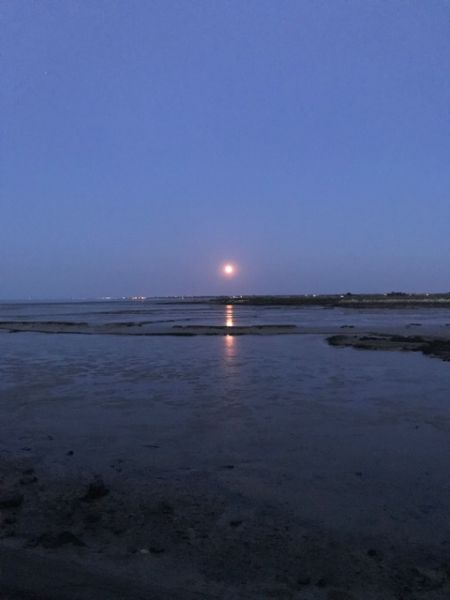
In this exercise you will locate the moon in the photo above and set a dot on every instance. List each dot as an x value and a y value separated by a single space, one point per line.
229 269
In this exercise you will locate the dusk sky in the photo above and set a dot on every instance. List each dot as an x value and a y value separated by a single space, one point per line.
145 143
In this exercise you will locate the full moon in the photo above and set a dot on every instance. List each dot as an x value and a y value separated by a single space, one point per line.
228 269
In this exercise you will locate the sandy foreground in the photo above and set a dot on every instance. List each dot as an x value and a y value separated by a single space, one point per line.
192 536
92 521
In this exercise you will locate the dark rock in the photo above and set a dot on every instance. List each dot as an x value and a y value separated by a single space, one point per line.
93 518
339 595
28 480
407 589
439 348
235 523
7 533
428 579
156 550
70 453
61 539
303 580
66 537
165 508
96 490
12 500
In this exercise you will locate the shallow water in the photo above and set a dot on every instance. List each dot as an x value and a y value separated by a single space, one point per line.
353 440
177 312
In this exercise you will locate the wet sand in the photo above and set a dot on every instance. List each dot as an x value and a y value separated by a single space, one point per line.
223 466
191 536
156 327
434 341
142 328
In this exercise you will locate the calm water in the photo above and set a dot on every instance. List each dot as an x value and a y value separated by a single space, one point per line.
164 311
357 439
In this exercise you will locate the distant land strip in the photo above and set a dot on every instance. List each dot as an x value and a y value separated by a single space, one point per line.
390 300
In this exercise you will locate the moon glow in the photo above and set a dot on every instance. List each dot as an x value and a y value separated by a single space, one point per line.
229 269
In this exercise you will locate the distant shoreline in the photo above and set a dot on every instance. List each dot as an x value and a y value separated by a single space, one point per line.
391 300
348 300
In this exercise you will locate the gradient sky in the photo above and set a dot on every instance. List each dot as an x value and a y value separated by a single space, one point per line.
144 143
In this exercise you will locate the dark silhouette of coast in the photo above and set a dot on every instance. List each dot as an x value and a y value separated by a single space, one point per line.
348 300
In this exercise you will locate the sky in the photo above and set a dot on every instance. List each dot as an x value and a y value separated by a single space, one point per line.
144 144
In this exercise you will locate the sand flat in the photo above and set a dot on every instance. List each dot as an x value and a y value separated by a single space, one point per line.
223 466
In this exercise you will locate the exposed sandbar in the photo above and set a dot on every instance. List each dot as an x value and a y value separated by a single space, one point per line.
143 328
237 330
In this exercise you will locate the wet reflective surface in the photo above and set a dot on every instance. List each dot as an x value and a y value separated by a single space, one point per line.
351 433
251 454
179 313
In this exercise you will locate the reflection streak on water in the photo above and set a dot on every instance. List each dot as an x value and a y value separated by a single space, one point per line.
229 346
229 322
229 339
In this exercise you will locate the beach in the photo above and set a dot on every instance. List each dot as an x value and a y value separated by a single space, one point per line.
226 463
224 300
